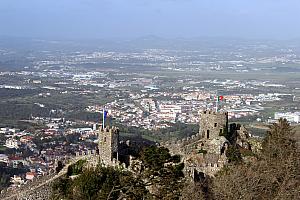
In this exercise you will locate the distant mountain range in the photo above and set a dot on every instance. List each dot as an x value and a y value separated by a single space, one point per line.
147 42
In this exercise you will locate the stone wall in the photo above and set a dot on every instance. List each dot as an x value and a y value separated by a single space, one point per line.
42 193
108 144
213 124
209 120
203 152
209 169
40 187
27 192
176 147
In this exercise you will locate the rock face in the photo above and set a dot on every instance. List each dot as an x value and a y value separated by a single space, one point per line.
242 138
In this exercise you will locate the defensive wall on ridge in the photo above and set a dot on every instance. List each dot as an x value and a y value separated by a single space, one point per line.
40 188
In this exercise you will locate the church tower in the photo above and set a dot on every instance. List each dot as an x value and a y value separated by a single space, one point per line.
108 144
213 124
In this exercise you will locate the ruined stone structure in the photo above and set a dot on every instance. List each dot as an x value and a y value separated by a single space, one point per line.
205 152
213 124
242 136
108 145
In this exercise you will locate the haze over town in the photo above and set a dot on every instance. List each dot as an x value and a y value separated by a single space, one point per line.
92 19
194 85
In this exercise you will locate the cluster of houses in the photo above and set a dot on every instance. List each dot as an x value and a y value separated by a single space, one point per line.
157 109
32 155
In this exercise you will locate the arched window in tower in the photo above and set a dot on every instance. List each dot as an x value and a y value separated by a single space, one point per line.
104 139
207 134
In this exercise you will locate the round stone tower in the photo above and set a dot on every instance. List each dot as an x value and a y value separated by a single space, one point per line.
213 124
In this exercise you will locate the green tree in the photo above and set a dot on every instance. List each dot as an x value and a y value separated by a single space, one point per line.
279 141
59 167
163 172
233 154
76 168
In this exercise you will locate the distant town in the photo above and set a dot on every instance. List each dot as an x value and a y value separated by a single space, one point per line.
52 104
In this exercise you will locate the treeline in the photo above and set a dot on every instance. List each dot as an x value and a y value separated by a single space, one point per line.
175 131
12 93
21 111
84 116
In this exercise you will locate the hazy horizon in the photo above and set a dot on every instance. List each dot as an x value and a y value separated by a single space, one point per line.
101 19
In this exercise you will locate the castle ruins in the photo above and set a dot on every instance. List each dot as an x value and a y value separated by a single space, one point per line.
202 154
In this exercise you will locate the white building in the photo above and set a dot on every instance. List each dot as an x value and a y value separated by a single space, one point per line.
169 112
165 108
3 158
148 104
167 116
30 176
12 143
16 181
289 116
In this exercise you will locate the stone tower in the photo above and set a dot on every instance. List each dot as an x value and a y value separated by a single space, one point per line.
108 145
213 124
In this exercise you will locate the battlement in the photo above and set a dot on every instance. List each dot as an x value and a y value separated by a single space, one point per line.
213 124
209 112
109 130
88 152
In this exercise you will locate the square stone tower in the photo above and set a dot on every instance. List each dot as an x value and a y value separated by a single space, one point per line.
108 145
213 124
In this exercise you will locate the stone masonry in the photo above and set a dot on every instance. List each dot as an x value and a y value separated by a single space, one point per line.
108 145
204 153
213 124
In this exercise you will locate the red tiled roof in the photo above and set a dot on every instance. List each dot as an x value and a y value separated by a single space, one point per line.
31 173
15 158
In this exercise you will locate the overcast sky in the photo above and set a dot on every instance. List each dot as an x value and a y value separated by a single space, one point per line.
137 18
